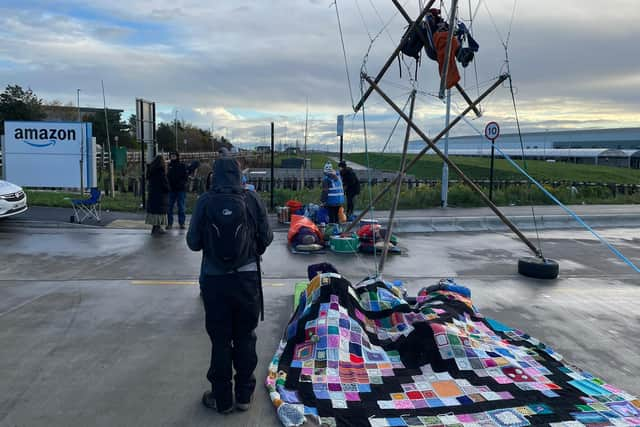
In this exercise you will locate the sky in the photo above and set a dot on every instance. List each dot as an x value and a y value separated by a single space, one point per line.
237 65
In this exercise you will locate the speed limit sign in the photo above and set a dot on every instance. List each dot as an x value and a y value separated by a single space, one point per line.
492 131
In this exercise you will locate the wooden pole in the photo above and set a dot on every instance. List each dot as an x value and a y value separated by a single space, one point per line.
455 168
447 56
392 58
394 207
476 110
427 148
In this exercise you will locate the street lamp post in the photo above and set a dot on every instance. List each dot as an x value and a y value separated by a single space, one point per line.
175 127
81 146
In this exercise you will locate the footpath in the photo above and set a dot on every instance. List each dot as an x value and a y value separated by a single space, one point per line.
407 221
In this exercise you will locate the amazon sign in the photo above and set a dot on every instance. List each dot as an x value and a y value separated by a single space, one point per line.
47 154
43 137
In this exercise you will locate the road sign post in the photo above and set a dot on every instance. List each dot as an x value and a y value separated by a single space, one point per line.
340 132
492 132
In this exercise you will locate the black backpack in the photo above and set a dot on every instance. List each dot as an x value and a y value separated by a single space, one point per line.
411 41
230 232
412 44
356 184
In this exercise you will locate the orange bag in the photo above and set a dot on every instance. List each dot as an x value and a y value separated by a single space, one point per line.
342 218
293 205
299 221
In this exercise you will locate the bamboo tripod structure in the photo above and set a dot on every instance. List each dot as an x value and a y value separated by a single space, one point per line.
430 143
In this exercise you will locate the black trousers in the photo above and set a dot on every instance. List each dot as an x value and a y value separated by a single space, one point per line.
350 204
333 214
232 308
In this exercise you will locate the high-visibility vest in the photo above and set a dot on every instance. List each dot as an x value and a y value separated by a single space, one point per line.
335 196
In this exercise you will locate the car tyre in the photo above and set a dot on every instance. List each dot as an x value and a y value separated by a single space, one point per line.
538 268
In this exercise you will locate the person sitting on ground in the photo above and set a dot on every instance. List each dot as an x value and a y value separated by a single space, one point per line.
230 226
332 196
177 176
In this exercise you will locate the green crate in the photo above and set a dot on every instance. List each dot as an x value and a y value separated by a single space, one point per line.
344 245
299 288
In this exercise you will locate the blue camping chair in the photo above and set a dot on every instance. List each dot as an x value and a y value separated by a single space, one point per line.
87 208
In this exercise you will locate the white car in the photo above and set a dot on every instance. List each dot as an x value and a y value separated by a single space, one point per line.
13 199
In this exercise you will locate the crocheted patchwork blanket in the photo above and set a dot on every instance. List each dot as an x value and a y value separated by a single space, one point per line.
362 355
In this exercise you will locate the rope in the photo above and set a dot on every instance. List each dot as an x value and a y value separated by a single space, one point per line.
366 151
494 24
364 22
384 26
559 203
524 159
572 213
384 29
344 54
393 130
475 63
505 44
513 15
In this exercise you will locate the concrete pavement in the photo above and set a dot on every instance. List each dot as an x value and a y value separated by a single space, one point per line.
410 221
104 327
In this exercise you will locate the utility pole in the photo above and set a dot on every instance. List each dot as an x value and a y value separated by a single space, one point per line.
213 139
340 130
175 127
306 132
272 172
106 121
81 146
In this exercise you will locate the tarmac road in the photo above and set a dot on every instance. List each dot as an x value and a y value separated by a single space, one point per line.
103 327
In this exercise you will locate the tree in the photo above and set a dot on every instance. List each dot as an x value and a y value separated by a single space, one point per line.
116 128
19 104
133 125
165 137
198 140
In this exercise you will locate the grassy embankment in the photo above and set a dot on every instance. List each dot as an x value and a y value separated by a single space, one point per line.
430 168
563 174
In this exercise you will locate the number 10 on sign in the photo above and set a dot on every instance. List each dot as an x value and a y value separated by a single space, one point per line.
492 131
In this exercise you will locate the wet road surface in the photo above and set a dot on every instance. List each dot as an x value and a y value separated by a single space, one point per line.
105 327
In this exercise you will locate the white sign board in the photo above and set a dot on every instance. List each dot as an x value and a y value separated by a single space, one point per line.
146 127
340 125
47 154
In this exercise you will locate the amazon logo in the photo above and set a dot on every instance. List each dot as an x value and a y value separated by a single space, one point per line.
43 137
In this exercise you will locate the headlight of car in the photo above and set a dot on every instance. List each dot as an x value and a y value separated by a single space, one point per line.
13 197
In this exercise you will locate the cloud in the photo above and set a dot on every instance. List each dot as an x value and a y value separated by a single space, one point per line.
241 64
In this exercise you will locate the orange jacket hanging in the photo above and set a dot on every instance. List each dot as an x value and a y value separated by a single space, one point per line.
440 43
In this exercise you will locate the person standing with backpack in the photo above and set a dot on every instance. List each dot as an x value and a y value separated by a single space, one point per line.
351 185
230 226
178 175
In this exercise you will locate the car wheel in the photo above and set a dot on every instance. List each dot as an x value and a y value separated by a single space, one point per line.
538 268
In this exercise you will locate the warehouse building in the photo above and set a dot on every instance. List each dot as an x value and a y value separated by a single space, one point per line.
605 147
